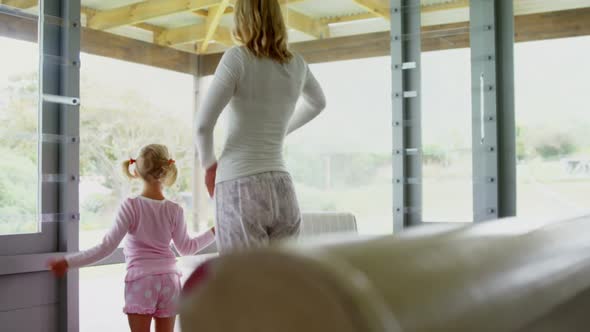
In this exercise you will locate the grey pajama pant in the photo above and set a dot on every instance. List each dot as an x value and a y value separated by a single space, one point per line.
256 210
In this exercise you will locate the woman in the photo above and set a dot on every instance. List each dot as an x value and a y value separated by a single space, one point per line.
262 82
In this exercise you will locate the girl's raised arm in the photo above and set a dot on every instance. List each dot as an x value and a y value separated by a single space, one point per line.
110 241
184 243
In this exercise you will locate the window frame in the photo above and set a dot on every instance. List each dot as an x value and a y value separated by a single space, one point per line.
51 182
58 31
494 163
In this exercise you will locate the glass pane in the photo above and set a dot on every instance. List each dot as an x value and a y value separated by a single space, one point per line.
124 107
446 119
553 121
19 114
341 161
136 89
206 204
102 291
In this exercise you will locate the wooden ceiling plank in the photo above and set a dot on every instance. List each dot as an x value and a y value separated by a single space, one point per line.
213 20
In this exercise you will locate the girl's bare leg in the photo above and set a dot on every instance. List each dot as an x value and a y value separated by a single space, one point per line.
139 323
165 324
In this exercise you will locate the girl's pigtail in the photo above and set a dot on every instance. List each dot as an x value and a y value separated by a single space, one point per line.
126 165
171 173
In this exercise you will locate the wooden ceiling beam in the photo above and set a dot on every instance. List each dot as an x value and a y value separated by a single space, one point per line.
381 8
20 4
182 35
198 32
108 45
456 4
143 11
193 34
303 23
154 29
348 18
213 19
560 24
205 12
377 7
150 9
532 27
224 36
316 28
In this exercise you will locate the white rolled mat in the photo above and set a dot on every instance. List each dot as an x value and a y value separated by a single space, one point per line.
488 277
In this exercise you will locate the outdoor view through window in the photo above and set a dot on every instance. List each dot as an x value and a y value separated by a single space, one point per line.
19 97
341 162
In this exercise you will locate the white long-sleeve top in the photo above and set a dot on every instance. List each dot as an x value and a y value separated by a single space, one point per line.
262 95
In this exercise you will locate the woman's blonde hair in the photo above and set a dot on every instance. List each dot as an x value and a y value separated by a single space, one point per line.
261 28
153 165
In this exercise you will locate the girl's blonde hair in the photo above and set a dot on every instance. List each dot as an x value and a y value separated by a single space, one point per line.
153 165
261 28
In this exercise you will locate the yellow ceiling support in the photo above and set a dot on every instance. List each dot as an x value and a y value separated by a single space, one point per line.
150 9
378 7
303 23
21 4
224 36
213 19
143 11
182 35
446 6
348 18
205 13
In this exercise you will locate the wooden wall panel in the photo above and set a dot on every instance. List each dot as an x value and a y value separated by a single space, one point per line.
36 319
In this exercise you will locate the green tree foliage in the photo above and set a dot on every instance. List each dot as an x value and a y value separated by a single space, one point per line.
18 148
110 133
555 145
435 154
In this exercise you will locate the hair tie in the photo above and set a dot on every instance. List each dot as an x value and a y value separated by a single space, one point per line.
132 161
171 161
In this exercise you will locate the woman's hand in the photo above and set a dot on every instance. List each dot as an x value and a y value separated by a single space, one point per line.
59 267
213 230
210 179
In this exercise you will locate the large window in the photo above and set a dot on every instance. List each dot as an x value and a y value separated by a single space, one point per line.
446 119
19 114
342 160
553 122
124 107
102 290
446 136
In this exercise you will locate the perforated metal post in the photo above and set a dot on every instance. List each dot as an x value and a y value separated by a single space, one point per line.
60 33
406 109
506 109
494 163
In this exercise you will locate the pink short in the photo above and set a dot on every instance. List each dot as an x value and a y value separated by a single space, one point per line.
152 295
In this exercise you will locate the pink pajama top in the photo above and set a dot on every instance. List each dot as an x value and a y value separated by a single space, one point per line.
150 226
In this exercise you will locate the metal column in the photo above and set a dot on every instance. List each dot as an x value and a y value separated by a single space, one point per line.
506 109
60 33
407 118
493 108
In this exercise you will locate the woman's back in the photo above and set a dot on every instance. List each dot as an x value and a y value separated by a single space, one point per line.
259 114
261 83
262 95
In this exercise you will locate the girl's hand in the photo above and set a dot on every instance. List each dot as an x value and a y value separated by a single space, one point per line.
210 179
59 267
213 230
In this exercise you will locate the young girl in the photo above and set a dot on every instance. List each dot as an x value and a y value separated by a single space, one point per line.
150 222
